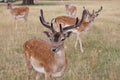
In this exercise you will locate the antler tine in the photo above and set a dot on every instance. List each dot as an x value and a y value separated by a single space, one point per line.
93 12
84 15
77 24
41 12
43 23
53 30
86 10
84 7
61 30
42 20
99 10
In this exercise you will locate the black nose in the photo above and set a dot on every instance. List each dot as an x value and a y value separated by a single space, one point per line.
53 49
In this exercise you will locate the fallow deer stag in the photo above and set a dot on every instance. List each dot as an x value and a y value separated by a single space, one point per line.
66 21
93 15
49 58
71 10
19 12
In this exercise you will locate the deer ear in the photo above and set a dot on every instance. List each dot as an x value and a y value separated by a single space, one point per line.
67 34
48 34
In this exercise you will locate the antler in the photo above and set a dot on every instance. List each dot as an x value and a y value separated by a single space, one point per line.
46 24
77 24
84 7
99 10
88 11
61 30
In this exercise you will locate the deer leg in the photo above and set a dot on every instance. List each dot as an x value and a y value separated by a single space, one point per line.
74 14
26 21
76 41
47 76
15 23
37 75
80 42
28 65
69 14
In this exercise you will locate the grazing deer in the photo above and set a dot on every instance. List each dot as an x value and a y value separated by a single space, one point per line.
71 10
49 58
17 13
66 21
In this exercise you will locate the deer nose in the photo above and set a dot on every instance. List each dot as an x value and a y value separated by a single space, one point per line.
53 49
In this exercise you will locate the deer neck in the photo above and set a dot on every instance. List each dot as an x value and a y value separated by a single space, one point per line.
61 52
61 58
90 23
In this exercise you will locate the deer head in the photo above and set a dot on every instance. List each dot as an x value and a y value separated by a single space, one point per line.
9 5
66 6
94 14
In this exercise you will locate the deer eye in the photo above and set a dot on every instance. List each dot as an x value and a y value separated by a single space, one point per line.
50 39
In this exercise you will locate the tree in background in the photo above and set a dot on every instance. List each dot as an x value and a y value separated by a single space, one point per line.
28 2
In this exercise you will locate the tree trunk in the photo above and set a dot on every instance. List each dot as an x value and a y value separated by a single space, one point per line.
5 0
28 2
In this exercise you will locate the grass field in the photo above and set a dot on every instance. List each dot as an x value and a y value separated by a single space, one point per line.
101 57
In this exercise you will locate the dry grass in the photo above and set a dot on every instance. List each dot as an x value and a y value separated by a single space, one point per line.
100 61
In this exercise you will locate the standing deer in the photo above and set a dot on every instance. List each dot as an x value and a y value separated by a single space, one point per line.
85 26
71 10
49 58
17 13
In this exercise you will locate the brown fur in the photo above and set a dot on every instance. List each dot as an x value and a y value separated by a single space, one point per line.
65 20
83 27
20 12
40 50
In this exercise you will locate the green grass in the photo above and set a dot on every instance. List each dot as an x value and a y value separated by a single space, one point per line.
100 61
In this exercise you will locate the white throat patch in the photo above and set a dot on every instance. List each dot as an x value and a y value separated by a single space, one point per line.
36 66
59 53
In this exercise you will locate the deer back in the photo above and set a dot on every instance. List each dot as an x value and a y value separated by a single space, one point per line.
20 11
